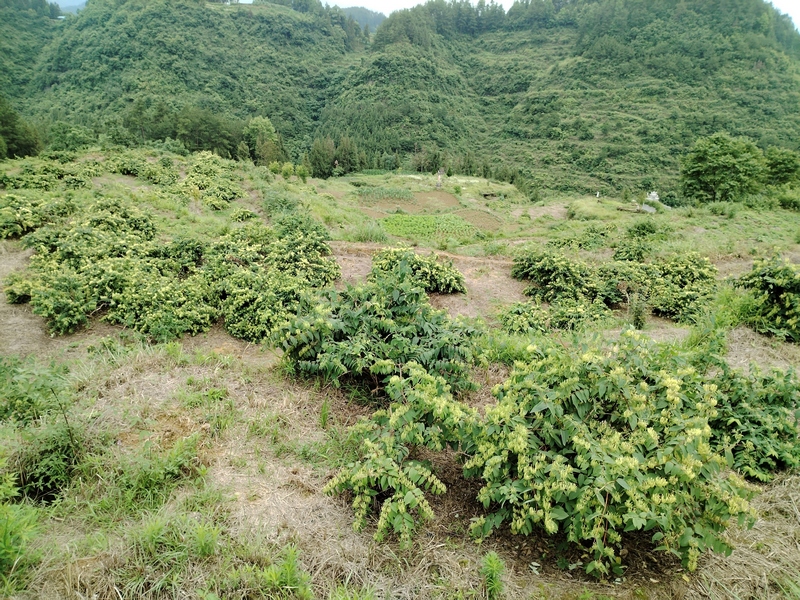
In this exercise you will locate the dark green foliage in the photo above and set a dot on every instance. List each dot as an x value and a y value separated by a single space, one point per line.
678 287
17 138
432 275
321 157
783 165
720 168
29 390
776 286
591 238
47 458
441 84
757 421
367 333
554 276
66 137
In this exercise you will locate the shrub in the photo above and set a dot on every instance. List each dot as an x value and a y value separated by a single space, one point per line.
255 303
565 314
554 276
47 457
775 283
686 285
678 287
634 250
369 332
757 421
594 439
427 271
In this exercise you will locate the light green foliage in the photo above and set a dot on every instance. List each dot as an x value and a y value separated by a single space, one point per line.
721 168
284 579
242 214
492 569
105 258
145 479
429 226
565 314
369 332
599 439
595 439
302 172
775 283
20 214
432 275
262 141
17 527
287 170
420 416
212 179
257 302
384 193
757 421
676 287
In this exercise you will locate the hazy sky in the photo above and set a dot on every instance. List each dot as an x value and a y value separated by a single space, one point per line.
792 7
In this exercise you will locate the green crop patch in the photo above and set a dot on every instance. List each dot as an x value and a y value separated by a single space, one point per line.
432 227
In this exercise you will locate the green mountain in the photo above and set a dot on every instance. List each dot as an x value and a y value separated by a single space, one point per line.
365 17
568 94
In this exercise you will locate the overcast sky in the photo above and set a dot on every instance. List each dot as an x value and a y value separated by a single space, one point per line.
792 7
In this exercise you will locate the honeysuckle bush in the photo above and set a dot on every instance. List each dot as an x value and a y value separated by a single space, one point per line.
775 284
432 275
106 260
368 332
26 211
758 421
678 287
594 439
565 314
212 179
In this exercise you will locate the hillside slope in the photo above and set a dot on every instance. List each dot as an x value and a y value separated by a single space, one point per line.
583 95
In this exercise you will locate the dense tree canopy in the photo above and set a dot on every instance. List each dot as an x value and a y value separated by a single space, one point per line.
579 95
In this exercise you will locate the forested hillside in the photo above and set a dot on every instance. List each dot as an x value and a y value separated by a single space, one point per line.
582 94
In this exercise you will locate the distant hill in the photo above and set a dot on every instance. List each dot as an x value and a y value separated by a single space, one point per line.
583 95
72 8
364 16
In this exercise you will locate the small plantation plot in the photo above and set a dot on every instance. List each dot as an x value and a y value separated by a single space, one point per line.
432 275
596 440
429 226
